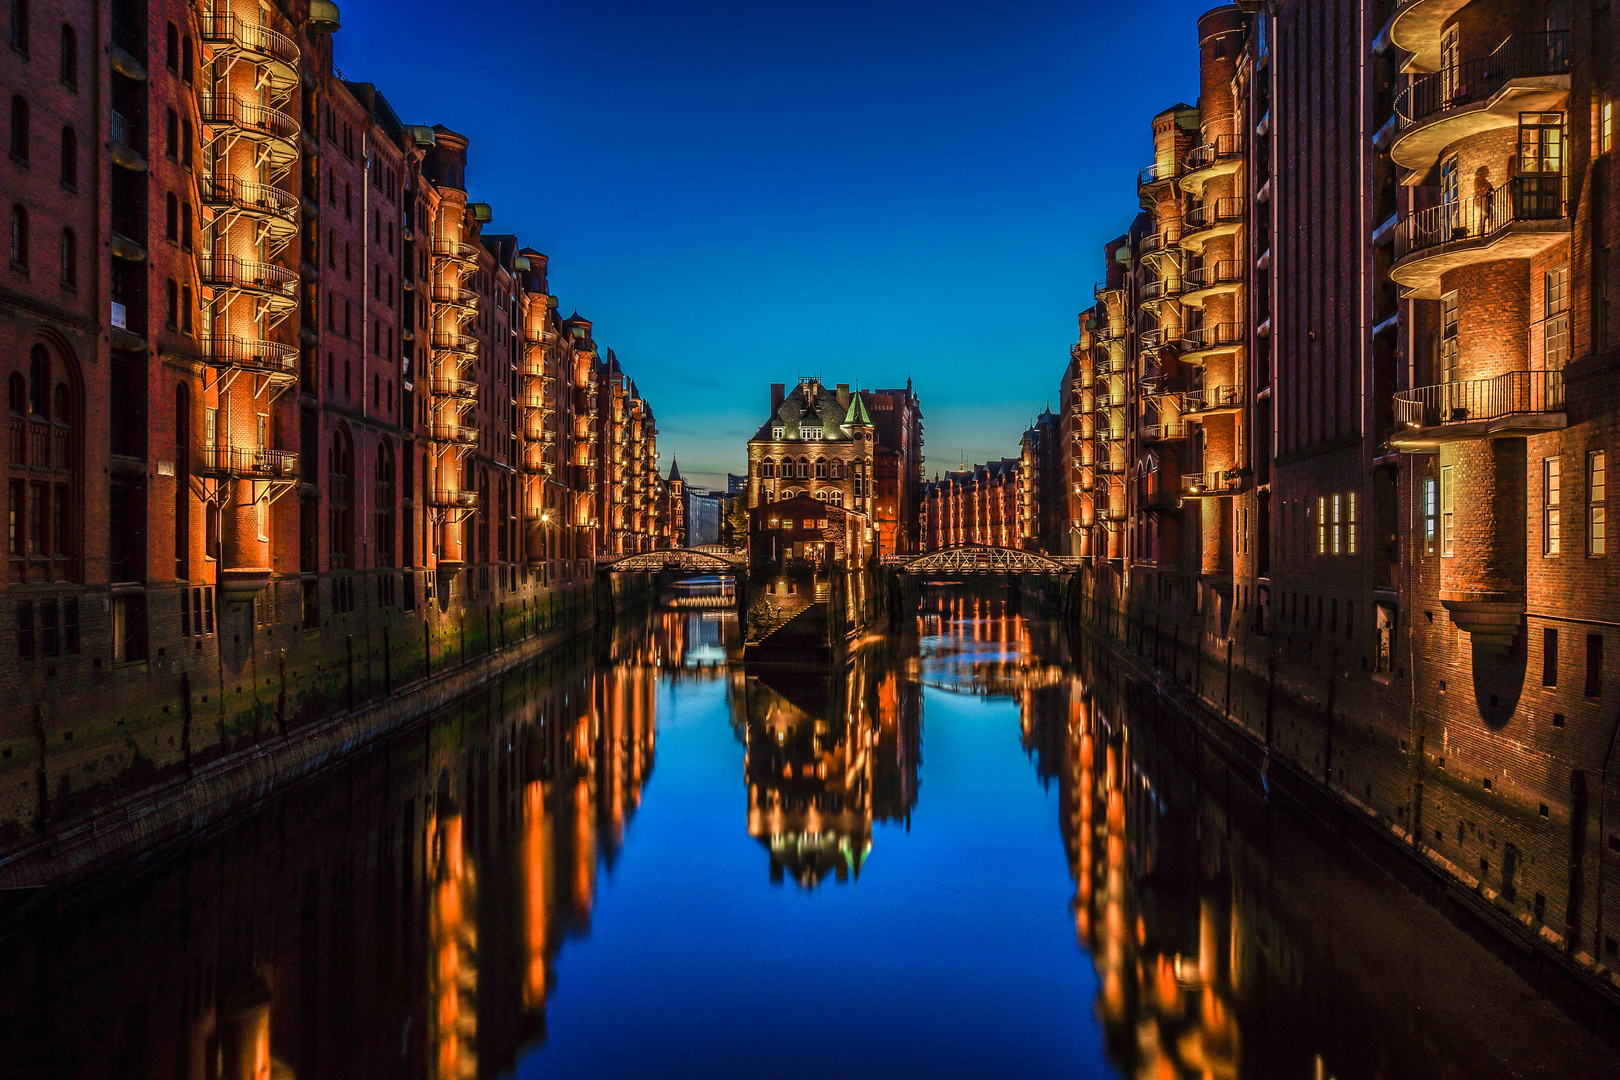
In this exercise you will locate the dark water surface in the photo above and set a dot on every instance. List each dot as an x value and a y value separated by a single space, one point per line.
972 853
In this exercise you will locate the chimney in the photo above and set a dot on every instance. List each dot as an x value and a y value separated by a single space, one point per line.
778 395
843 395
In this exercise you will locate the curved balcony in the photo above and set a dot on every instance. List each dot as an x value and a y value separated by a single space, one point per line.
275 211
459 254
1515 403
462 345
1209 485
1220 278
539 336
534 370
453 500
1166 430
454 434
128 143
463 301
1526 73
1211 401
271 128
1164 288
1160 337
247 462
1158 174
535 464
274 287
1515 222
461 391
536 400
268 358
1221 157
1197 345
1211 221
1163 242
1113 330
274 53
1417 27
1104 293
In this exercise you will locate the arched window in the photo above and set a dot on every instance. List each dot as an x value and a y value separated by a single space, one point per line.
70 56
767 469
39 382
171 217
382 504
45 519
821 469
171 304
836 498
19 128
70 157
182 482
837 469
171 51
70 258
821 496
340 488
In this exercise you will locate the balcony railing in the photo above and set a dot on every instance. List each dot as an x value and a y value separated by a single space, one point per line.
1220 272
539 335
1213 397
1158 173
266 357
1217 336
228 110
1160 289
231 272
1218 482
1535 197
1481 399
455 296
1222 148
455 251
455 343
1160 336
228 32
459 500
1222 211
1153 243
248 462
1521 56
128 133
249 196
461 389
1153 431
455 434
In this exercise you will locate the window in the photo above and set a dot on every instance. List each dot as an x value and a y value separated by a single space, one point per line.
1350 523
19 25
171 134
1605 125
171 304
185 226
1431 514
1594 665
1448 513
1549 657
821 469
171 51
171 218
70 258
185 309
1551 499
185 141
1321 525
1555 327
1597 497
1338 524
19 128
776 432
70 158
1448 338
19 237
186 56
70 56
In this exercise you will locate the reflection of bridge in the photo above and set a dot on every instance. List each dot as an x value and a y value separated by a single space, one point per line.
981 559
705 558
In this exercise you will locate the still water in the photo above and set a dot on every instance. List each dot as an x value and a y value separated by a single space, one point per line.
972 853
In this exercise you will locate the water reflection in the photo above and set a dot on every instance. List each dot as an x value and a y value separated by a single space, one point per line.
421 911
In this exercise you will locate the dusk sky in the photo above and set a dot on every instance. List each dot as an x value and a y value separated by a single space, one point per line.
742 193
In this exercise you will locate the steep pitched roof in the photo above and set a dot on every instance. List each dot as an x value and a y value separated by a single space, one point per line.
857 410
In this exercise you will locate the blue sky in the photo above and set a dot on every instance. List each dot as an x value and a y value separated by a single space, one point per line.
741 193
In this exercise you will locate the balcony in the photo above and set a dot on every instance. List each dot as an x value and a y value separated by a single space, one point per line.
1211 401
1211 161
462 345
275 211
537 400
1164 288
1164 242
272 129
454 434
273 288
463 391
1211 221
275 54
128 143
539 336
461 255
270 359
453 500
1209 485
1219 278
1526 73
247 463
1112 330
1417 27
1205 341
1166 430
1518 221
463 301
534 464
1104 293
1515 403
1160 337
1158 174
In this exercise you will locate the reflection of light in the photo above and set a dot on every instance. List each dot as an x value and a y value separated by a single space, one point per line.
537 890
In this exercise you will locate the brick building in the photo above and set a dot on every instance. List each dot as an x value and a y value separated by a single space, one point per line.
281 407
1335 431
984 504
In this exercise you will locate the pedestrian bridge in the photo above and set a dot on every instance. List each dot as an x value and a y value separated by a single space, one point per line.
703 559
981 559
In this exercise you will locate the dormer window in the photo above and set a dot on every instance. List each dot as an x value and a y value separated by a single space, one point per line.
811 433
776 432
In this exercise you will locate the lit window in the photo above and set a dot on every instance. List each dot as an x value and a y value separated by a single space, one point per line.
1551 505
1321 524
1555 327
1350 523
1448 338
1605 139
776 432
1448 513
1431 514
1597 497
1338 524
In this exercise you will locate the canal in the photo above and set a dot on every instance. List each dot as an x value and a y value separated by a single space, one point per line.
976 851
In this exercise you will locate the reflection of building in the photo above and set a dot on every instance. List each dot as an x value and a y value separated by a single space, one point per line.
827 755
